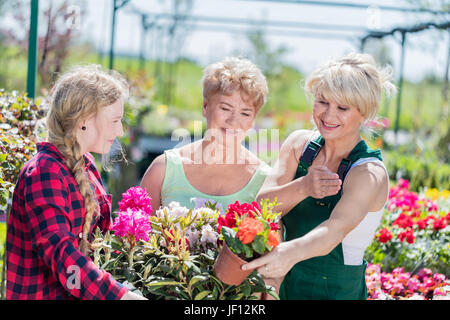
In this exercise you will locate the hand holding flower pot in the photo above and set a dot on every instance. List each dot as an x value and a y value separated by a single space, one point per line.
248 233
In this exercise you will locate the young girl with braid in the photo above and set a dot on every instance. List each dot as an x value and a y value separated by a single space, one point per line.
59 199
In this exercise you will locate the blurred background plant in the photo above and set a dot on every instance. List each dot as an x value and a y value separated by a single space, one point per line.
19 117
415 231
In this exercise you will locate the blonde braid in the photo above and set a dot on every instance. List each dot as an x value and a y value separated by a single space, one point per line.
76 164
78 94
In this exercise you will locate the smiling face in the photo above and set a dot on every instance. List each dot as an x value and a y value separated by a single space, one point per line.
228 116
335 121
102 129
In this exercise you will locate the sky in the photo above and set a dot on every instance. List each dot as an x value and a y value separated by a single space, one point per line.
426 51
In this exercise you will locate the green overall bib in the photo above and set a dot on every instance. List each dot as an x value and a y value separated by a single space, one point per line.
323 277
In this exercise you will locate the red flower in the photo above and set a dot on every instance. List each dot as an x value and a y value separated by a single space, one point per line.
242 209
236 209
403 221
228 221
385 235
439 223
273 226
408 234
422 224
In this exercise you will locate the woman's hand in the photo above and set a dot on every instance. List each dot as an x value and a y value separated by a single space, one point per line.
321 182
275 264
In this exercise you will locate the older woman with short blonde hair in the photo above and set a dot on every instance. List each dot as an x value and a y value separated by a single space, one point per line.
217 168
332 187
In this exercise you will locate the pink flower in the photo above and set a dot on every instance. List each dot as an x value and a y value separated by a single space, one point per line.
425 272
413 283
439 277
133 224
428 282
136 198
439 292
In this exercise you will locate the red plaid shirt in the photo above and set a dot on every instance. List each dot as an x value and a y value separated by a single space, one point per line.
47 215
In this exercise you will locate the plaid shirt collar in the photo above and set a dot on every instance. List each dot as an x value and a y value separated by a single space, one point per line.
52 149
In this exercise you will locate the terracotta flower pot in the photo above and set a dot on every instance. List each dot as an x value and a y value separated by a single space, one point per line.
228 267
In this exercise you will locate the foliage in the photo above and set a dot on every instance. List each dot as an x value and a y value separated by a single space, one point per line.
421 171
19 116
172 261
414 232
248 230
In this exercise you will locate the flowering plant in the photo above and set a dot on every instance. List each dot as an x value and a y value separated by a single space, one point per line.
402 285
167 254
414 232
248 230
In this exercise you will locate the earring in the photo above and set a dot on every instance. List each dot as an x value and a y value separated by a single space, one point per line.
83 128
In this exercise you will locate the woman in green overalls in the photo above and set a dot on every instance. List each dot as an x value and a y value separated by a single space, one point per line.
323 202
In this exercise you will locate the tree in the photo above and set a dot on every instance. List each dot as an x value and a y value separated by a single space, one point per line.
53 45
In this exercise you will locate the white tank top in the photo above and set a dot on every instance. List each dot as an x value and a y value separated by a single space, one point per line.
356 241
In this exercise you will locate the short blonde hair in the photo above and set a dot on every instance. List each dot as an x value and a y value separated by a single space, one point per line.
233 73
353 80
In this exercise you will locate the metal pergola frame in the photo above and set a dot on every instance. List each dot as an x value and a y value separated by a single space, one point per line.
403 32
146 25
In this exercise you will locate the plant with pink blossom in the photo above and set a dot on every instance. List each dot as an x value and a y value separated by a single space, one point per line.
167 254
414 232
136 198
401 285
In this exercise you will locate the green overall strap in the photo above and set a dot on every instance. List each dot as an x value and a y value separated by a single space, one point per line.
311 152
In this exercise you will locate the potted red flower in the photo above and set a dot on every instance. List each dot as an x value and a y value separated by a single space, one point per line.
248 232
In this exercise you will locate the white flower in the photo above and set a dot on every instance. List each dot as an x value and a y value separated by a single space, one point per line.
193 235
199 203
176 210
416 296
208 235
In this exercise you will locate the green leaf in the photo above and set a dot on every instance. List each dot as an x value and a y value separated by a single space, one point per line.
258 244
196 279
162 283
247 251
232 241
202 295
246 289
